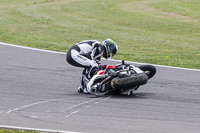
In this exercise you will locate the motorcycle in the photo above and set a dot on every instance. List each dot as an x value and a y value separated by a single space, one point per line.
122 78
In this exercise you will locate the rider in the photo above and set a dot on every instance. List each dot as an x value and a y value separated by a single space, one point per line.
87 54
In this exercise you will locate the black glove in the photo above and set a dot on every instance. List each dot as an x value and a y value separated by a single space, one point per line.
102 67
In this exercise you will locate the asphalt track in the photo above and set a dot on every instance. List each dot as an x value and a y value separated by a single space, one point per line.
38 90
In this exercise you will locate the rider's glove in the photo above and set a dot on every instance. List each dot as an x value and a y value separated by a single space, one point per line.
91 71
94 64
102 67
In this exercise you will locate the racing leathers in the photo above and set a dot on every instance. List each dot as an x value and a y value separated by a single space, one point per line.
86 54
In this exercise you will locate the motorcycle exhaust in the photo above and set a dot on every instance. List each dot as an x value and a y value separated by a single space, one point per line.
95 88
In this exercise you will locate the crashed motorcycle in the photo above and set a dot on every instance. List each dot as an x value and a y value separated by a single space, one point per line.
122 78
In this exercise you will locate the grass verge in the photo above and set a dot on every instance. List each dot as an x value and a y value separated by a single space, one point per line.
165 32
16 131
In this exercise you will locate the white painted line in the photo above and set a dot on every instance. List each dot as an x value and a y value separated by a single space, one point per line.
189 69
34 117
79 104
86 106
36 49
36 129
49 51
25 106
107 98
12 110
72 113
103 99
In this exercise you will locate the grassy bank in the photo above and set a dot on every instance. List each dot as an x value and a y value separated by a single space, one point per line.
163 32
16 131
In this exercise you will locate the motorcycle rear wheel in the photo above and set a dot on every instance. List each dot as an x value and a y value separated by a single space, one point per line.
149 70
129 82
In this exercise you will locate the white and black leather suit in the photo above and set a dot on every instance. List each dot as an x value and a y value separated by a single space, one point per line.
86 54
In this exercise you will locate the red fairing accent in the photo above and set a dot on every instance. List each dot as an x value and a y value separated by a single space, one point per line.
101 72
113 67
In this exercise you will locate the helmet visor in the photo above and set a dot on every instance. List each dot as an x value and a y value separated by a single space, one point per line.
109 54
110 48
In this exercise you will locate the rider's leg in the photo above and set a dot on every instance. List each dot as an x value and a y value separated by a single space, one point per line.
81 85
75 59
87 74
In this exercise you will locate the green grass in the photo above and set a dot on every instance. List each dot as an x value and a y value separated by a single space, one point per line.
163 32
16 131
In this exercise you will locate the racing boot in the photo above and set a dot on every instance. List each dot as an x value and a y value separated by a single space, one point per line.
85 91
80 87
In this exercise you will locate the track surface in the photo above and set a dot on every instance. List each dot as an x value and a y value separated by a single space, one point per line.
38 90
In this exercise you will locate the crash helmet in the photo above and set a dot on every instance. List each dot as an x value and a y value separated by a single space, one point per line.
110 48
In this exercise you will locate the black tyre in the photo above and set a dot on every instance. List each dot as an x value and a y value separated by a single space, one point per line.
129 82
149 70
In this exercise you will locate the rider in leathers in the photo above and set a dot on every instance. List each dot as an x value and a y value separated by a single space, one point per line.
87 54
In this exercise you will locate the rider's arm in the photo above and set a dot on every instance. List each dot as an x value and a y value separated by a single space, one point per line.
97 52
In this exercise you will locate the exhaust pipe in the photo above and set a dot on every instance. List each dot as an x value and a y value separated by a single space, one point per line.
95 88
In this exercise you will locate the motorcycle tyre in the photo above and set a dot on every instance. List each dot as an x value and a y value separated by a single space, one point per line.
127 83
148 68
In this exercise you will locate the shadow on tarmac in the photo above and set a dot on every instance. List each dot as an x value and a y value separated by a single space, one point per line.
135 96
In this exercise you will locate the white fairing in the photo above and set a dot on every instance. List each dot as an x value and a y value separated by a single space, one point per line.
90 83
136 69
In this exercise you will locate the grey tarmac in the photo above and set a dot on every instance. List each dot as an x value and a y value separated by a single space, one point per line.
38 89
